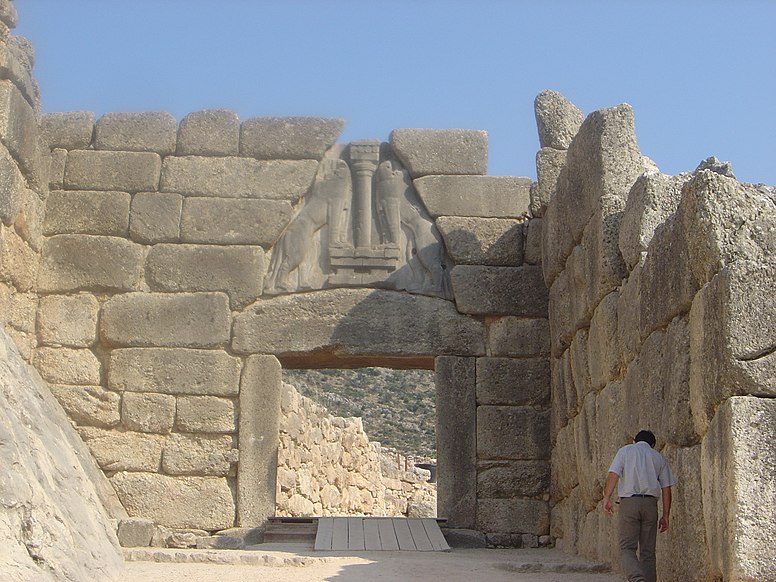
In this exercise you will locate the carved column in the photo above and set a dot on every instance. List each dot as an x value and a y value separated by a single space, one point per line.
364 156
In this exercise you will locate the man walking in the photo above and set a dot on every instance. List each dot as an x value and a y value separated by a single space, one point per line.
641 475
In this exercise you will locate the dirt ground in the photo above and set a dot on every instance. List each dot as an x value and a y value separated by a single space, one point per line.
462 565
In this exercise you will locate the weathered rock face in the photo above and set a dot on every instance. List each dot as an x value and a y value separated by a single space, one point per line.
49 533
661 317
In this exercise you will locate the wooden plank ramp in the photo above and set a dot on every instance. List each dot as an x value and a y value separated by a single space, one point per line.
379 534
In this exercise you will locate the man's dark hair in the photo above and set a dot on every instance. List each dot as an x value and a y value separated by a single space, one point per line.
646 436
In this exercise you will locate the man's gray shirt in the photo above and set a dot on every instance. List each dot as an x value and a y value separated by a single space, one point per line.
641 471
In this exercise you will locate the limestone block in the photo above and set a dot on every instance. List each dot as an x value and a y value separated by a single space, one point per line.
227 222
89 405
586 443
564 475
8 14
136 132
549 163
483 241
180 502
16 58
738 461
518 337
123 451
523 382
18 261
513 515
558 411
57 169
557 120
206 414
682 549
29 221
511 290
617 422
513 432
533 241
456 428
346 322
603 160
135 532
19 132
85 212
75 262
155 217
475 196
509 479
11 186
68 366
211 132
186 454
441 151
68 320
605 362
236 270
579 366
189 320
174 371
238 177
260 390
68 130
629 316
144 412
652 199
288 138
19 309
731 338
108 170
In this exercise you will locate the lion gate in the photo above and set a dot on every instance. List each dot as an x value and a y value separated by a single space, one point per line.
184 265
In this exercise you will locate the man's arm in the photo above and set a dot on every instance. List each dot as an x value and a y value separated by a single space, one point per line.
665 495
611 483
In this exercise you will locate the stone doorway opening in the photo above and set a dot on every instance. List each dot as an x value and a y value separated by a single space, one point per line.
357 441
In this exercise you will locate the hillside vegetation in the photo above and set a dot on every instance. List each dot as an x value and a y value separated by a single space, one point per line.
396 406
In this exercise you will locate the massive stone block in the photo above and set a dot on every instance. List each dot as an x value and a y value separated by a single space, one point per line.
29 221
508 479
738 462
155 217
517 337
235 270
89 405
483 241
136 132
68 320
211 132
603 160
19 132
652 199
174 371
57 169
341 323
524 382
289 138
564 475
441 151
499 290
18 261
513 516
144 412
557 120
74 262
84 212
513 432
456 428
105 170
16 61
533 241
123 451
49 532
68 366
238 177
68 130
196 414
549 163
180 502
228 222
605 360
11 186
475 196
189 320
260 390
198 455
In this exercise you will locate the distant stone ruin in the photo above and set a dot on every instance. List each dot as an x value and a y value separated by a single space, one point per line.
155 278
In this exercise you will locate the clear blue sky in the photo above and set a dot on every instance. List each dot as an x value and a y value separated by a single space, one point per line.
701 76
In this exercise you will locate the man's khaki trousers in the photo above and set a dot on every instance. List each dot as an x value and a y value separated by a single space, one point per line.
637 524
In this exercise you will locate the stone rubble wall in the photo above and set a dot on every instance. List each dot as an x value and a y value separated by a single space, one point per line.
661 317
328 466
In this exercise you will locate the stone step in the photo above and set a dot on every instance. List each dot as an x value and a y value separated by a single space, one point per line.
290 530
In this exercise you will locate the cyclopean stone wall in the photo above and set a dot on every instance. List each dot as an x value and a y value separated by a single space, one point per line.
328 466
183 264
661 317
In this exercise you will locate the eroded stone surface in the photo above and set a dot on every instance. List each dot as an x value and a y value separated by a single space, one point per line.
482 290
68 130
483 241
211 132
84 212
441 151
288 138
475 196
108 170
557 120
136 132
